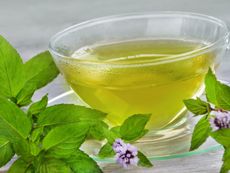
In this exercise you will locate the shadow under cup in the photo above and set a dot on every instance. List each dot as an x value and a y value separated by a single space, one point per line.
154 86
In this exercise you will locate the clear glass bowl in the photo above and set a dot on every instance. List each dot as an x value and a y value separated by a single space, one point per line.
171 134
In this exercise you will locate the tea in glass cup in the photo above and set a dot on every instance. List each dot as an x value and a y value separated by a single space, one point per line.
141 64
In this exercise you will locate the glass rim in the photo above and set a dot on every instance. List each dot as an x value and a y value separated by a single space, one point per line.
125 16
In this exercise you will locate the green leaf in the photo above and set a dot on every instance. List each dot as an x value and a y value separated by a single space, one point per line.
39 106
226 161
22 148
6 152
13 121
116 131
222 136
201 133
74 133
223 96
11 75
211 87
113 134
82 163
53 166
216 92
143 160
68 113
19 166
198 107
106 151
39 71
34 148
133 127
25 95
97 130
36 134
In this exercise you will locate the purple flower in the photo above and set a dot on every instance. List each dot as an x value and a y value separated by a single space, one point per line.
126 154
118 145
221 120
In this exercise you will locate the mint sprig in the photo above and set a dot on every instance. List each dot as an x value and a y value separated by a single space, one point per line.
47 139
132 129
218 102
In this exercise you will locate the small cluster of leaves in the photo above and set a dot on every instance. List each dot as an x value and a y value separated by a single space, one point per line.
48 139
217 94
132 129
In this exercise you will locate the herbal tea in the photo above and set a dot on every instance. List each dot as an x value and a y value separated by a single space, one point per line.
138 76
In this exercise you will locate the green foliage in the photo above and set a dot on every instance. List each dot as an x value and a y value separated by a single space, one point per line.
68 113
19 166
200 133
6 151
218 94
53 166
14 124
143 160
11 70
133 127
82 163
197 107
226 161
47 139
71 133
39 106
106 151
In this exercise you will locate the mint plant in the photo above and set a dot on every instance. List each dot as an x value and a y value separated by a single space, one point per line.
48 139
215 117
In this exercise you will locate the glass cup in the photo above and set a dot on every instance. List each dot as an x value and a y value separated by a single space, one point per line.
154 85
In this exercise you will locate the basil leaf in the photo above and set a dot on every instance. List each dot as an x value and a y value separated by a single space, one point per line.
116 131
74 133
216 92
36 134
97 130
19 166
41 67
201 133
143 160
53 166
61 151
222 136
68 113
223 96
39 106
34 148
14 124
106 151
22 148
133 127
6 152
197 107
82 163
39 71
113 134
25 95
211 87
11 70
226 161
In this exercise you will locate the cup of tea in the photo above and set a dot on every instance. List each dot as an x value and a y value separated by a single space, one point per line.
143 63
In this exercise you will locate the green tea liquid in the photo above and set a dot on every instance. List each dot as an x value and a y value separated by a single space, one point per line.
132 77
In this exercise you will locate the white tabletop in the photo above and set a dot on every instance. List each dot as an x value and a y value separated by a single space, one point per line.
28 25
